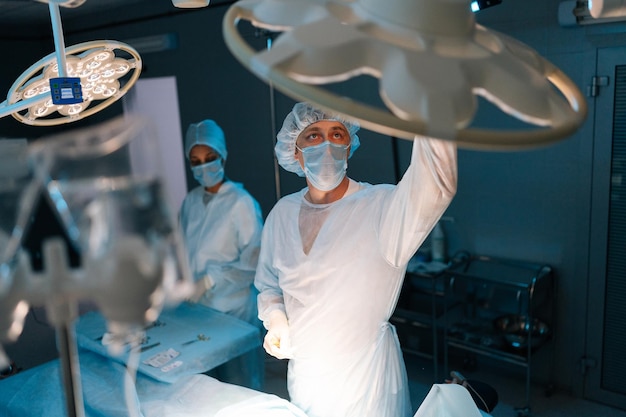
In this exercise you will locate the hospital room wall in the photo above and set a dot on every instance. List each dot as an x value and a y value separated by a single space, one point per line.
537 206
531 205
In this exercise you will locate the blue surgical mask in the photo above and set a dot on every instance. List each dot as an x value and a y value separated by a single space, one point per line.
325 164
209 174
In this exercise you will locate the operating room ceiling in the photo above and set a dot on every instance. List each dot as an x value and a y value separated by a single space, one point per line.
30 19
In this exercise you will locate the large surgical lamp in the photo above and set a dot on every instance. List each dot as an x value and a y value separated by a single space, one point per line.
71 84
432 60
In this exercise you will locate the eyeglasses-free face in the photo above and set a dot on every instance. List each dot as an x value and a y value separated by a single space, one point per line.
325 130
202 154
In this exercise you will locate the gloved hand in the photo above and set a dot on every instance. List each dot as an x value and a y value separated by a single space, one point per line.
200 287
277 341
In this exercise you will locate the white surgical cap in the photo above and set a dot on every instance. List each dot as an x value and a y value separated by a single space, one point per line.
301 116
208 133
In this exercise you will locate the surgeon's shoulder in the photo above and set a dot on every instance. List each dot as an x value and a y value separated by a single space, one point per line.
240 195
287 203
235 190
362 189
194 195
293 198
369 195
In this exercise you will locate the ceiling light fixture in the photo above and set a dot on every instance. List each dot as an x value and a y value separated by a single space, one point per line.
478 5
580 13
190 4
64 3
607 8
432 61
99 70
69 85
154 43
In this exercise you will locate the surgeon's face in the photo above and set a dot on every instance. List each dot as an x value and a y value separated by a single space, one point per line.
324 130
202 154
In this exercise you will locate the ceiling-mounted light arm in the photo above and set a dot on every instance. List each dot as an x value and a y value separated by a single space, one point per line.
8 109
59 41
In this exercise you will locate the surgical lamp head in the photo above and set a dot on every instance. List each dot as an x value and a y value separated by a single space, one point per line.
301 116
207 133
431 61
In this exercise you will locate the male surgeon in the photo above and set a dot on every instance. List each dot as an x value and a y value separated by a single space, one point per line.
333 258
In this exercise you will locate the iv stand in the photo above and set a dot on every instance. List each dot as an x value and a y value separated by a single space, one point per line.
62 312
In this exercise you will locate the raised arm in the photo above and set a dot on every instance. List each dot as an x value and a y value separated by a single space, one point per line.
419 199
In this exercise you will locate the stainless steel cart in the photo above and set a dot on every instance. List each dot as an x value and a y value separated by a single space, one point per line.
499 308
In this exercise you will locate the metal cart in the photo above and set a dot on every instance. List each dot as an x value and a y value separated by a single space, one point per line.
499 308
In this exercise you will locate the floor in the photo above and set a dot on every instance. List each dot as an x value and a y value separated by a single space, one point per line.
510 392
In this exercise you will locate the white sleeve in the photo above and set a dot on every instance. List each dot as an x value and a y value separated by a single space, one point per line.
270 296
249 226
419 199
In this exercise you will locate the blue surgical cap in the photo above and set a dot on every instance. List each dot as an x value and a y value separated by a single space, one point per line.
302 116
208 133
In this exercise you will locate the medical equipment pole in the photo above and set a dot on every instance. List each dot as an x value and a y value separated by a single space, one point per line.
273 124
70 369
62 311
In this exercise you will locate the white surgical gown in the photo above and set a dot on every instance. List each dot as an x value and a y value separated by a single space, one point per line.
223 238
339 297
222 233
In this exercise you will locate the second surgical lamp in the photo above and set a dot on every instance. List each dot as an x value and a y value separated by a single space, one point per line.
432 61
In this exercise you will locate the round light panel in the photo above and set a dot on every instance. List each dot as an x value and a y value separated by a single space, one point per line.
432 61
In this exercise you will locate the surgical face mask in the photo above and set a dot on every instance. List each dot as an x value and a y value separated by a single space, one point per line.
209 174
325 164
